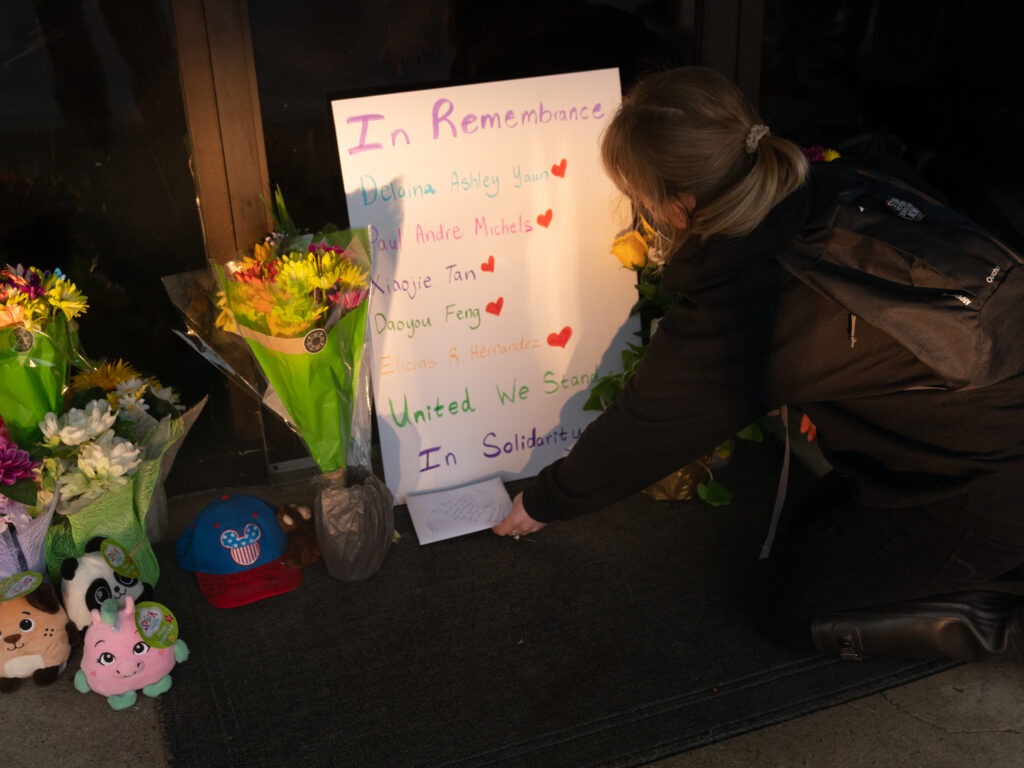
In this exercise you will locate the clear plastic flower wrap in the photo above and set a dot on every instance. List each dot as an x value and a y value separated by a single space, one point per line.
288 325
313 379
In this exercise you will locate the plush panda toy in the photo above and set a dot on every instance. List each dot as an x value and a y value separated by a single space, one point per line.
103 572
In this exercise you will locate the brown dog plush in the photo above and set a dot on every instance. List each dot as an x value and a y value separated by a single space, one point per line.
36 638
297 521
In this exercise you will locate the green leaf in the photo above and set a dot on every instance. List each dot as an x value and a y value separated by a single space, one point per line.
714 493
753 433
23 491
279 213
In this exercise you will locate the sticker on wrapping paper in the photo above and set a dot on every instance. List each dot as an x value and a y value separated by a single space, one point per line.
118 559
315 340
22 340
156 624
19 585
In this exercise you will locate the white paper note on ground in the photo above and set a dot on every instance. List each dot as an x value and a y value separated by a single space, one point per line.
438 515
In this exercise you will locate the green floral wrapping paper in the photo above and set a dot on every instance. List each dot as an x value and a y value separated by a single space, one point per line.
33 372
311 360
122 515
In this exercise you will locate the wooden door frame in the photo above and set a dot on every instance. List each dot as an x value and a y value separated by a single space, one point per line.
228 160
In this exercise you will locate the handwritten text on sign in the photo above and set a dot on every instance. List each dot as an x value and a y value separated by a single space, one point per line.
494 300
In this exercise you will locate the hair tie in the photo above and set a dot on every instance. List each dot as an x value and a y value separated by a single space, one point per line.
757 132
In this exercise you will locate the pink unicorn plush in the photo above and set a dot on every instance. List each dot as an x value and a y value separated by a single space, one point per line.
129 650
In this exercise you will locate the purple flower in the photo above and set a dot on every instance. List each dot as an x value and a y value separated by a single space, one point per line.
25 280
15 464
815 154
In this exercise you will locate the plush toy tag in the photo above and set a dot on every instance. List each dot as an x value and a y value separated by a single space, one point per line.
156 624
120 562
19 585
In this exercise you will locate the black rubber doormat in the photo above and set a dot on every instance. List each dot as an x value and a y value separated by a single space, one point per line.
614 640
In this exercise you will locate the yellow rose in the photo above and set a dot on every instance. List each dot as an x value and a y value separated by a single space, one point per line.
631 250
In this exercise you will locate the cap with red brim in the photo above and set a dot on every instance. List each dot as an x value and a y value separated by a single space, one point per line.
236 548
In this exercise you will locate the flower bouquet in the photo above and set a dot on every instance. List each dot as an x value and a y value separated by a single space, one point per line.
38 342
107 458
97 470
81 455
299 302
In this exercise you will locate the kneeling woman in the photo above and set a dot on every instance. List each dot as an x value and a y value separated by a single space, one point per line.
893 552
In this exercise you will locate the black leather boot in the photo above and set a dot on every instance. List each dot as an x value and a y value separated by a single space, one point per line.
966 626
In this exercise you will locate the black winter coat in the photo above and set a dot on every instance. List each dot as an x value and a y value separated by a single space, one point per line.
746 337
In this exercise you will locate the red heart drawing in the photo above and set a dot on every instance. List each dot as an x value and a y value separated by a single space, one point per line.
488 266
545 218
494 307
561 338
559 169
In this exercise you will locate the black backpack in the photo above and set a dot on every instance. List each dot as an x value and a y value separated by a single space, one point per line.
901 259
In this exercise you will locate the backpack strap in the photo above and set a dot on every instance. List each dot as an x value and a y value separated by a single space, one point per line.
780 493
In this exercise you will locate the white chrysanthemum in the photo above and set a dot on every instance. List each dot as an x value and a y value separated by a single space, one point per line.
102 466
78 425
166 393
134 386
50 427
130 404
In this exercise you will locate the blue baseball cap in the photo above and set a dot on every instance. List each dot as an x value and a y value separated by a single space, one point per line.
235 547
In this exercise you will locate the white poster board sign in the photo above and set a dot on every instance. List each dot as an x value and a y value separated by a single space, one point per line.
495 301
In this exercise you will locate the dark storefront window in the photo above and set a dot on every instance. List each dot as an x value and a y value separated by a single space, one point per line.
96 165
307 53
95 173
936 82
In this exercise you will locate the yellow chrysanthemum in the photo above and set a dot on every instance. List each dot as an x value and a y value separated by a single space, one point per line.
351 275
106 376
298 273
65 297
225 318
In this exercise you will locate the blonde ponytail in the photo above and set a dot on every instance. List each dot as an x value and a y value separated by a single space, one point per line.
691 130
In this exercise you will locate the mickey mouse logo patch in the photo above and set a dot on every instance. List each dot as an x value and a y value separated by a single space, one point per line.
243 547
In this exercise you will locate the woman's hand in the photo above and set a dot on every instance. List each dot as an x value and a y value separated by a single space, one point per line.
517 523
